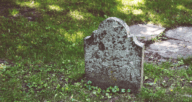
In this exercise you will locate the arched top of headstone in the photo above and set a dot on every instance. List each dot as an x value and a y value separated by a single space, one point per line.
112 19
111 27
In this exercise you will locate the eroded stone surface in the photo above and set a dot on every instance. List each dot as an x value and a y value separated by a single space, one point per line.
146 32
175 42
113 57
172 49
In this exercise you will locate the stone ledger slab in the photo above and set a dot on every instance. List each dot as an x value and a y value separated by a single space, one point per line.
114 57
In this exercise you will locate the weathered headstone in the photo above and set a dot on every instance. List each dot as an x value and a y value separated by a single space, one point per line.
113 57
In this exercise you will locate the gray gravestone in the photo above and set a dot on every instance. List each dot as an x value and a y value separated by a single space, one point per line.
113 57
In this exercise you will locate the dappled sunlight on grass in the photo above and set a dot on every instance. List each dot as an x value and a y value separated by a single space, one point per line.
131 2
71 37
76 15
29 4
55 7
137 12
183 8
47 51
14 12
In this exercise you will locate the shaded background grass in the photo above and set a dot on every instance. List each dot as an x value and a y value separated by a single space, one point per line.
44 40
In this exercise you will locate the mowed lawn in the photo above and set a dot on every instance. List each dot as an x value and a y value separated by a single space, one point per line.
42 47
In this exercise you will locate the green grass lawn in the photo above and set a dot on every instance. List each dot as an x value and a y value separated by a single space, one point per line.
48 52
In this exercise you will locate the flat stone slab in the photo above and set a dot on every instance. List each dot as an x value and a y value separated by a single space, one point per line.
178 42
180 33
172 48
146 31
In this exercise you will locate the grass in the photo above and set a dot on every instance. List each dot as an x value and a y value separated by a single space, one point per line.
45 56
